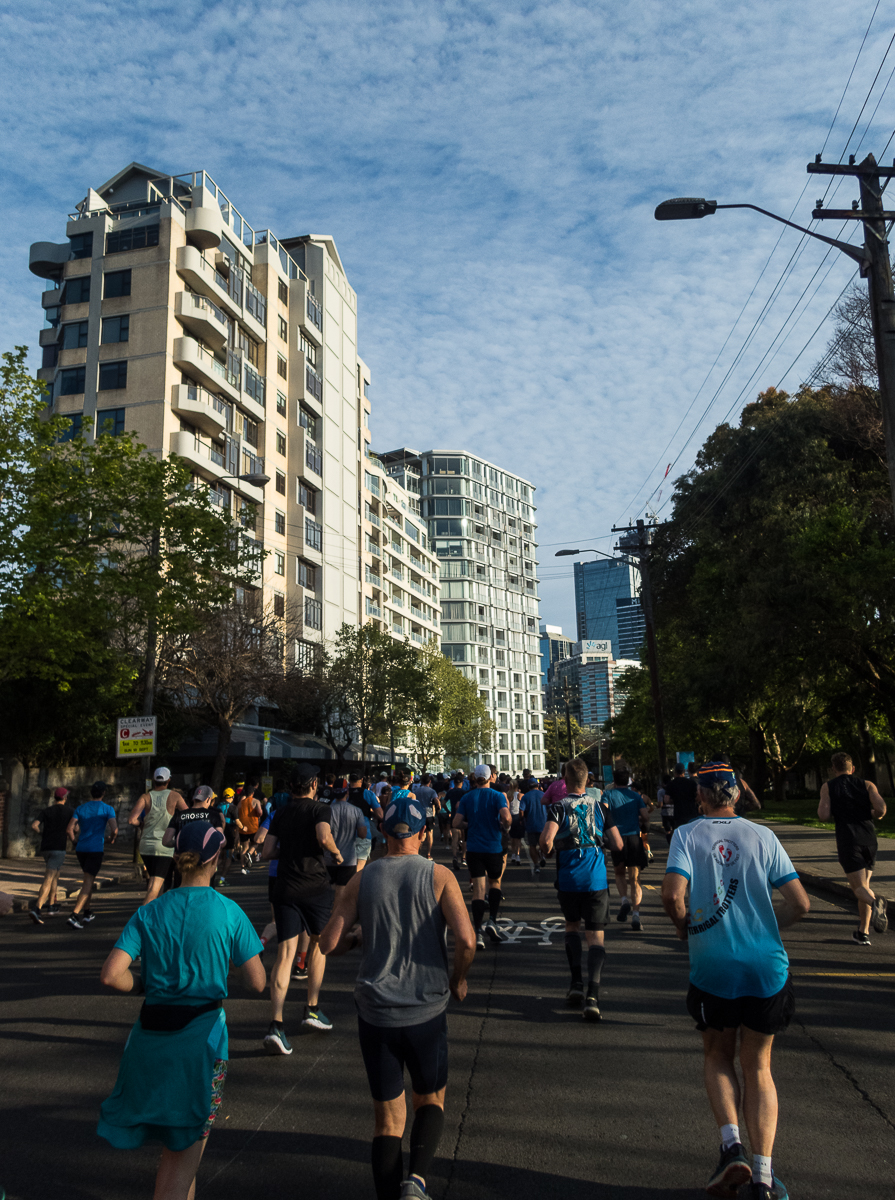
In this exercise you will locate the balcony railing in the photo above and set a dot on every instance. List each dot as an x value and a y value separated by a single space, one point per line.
396 599
372 577
315 311
372 548
372 610
370 516
314 382
417 637
314 458
313 534
254 385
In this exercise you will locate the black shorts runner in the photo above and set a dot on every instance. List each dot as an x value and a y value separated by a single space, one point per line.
590 907
534 837
517 829
271 884
481 864
158 865
632 853
854 857
762 1014
387 1050
430 824
342 874
91 861
306 915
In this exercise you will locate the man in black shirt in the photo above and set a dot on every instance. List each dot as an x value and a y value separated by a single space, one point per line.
51 824
852 805
299 834
683 793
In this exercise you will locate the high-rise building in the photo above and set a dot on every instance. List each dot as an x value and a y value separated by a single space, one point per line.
593 674
481 525
554 645
166 313
607 605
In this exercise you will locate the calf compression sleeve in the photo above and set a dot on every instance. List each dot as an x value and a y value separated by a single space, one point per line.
573 954
494 898
596 956
388 1167
478 912
425 1134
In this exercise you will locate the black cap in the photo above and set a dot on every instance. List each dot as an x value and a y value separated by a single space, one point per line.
97 789
303 774
354 777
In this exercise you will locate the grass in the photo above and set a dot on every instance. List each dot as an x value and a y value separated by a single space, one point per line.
802 810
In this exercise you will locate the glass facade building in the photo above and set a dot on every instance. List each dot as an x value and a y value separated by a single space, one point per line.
607 605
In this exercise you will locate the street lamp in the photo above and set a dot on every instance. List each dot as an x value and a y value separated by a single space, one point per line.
872 257
255 478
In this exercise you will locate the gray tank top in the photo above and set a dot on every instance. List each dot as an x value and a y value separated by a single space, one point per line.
404 978
155 822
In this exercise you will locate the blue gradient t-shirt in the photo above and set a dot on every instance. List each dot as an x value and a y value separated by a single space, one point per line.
580 865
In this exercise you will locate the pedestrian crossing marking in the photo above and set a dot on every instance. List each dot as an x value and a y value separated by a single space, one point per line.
845 974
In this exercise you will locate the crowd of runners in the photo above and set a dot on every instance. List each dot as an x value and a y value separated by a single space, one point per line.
351 865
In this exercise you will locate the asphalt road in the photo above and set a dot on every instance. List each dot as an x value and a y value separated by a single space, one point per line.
539 1105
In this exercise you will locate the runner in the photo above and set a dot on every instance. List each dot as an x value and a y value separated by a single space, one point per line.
156 808
535 817
629 815
172 1072
302 898
452 798
484 814
556 790
441 784
347 825
361 796
94 821
683 793
226 807
381 783
739 971
249 815
428 797
517 822
200 809
575 828
853 804
52 824
666 807
404 902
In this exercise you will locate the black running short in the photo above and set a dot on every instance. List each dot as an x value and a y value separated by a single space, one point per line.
632 853
158 865
306 915
590 907
517 829
444 818
853 857
534 837
91 861
762 1014
387 1050
430 824
481 864
231 835
271 884
342 874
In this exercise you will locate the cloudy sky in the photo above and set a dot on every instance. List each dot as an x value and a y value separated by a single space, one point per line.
489 171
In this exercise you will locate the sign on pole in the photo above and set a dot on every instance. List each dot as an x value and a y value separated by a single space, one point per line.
266 744
136 736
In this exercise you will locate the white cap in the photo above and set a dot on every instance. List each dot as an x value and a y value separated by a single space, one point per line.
162 773
482 771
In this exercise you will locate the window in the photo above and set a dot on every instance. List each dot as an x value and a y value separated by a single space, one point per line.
74 429
281 442
306 575
112 375
254 384
483 676
110 421
314 459
309 350
309 422
536 742
132 239
313 534
279 604
517 702
283 328
281 366
82 245
518 722
249 347
504 762
77 290
520 741
116 329
484 697
313 613
283 291
281 483
279 562
117 283
279 522
313 382
72 381
307 498
411 530
256 305
281 404
366 389
535 724
250 431
503 741
501 699
74 336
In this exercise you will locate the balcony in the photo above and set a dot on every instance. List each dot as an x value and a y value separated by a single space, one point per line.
373 577
372 548
396 600
47 259
313 383
418 587
200 408
189 356
201 275
202 318
372 610
370 516
204 226
310 312
418 638
208 462
314 458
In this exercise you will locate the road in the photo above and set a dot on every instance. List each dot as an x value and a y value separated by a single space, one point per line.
539 1105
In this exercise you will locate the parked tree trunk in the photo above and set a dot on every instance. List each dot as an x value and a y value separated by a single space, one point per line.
225 733
758 780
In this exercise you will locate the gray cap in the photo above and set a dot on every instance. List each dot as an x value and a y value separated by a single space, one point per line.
203 793
482 771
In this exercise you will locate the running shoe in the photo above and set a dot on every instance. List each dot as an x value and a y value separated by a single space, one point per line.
456 864
36 915
52 909
592 1009
537 874
623 910
575 995
861 938
87 917
543 862
731 1173
761 1191
479 940
496 935
879 918
276 1041
222 882
412 1189
315 1019
74 921
300 973
636 926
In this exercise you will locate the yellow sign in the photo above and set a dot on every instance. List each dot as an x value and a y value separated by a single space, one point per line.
136 736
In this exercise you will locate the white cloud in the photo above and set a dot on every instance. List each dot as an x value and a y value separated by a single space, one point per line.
489 172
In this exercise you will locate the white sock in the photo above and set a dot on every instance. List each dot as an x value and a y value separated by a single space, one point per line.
730 1135
761 1170
625 902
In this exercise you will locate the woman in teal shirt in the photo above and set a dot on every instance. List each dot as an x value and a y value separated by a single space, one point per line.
174 1064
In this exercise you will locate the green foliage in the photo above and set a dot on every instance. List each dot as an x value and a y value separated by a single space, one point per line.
457 724
556 726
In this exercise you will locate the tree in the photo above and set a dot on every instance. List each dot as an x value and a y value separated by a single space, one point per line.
554 725
850 360
458 724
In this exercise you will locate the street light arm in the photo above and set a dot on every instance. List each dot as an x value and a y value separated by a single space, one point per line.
858 253
591 550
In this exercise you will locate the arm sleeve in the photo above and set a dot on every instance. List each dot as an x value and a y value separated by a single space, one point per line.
678 857
780 868
245 943
131 939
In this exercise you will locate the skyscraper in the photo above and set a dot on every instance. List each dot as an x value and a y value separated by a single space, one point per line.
554 645
607 605
481 525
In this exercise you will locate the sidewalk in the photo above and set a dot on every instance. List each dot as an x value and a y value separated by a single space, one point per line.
813 854
21 877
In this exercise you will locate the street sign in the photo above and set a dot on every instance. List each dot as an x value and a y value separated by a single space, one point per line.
266 744
136 736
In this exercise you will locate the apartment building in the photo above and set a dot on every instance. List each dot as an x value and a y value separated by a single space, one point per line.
553 645
166 313
593 675
482 529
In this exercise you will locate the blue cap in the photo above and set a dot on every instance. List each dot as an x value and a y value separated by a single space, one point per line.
404 817
712 774
199 837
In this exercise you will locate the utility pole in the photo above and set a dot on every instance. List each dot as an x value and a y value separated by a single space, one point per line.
565 693
641 547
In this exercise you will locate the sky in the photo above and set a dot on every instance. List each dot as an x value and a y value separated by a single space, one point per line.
489 172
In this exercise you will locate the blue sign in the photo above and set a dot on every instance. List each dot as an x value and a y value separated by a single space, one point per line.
685 757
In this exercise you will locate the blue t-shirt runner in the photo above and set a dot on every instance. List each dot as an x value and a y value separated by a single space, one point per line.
480 808
580 865
532 806
91 818
625 805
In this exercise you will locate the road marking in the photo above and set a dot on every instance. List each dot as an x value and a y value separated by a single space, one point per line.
845 974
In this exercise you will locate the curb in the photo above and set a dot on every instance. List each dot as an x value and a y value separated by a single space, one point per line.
21 904
836 887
